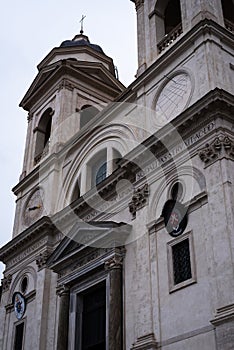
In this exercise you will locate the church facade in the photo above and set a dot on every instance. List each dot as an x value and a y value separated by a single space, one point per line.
123 236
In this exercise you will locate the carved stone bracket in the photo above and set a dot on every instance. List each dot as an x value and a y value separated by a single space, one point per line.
212 151
114 262
42 259
62 290
139 200
138 3
6 282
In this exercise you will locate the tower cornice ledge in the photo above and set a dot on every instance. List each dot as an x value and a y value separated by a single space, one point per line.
41 229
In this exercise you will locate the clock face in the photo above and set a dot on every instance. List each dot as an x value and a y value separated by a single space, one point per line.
34 207
174 96
19 305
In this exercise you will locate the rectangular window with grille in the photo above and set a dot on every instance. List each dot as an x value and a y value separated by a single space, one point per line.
181 262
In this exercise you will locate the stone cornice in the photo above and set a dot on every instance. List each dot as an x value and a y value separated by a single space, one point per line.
204 27
223 315
42 228
78 71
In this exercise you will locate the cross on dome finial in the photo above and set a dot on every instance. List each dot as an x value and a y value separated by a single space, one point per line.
82 24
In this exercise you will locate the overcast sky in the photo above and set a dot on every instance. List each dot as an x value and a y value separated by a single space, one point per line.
29 30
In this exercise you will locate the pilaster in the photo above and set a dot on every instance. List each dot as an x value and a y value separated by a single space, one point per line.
64 298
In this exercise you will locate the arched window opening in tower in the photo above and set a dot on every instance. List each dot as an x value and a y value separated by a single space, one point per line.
172 16
169 23
228 14
43 133
87 113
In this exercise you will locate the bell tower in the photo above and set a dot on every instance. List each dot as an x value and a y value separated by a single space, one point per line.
74 82
162 24
177 37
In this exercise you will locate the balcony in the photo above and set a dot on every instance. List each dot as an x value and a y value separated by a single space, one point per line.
170 38
229 25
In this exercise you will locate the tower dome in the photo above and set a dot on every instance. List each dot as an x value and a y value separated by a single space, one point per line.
81 41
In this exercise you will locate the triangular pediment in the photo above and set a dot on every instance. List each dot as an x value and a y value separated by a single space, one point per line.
92 73
88 236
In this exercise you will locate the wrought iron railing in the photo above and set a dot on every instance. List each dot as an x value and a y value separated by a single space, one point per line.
229 25
170 38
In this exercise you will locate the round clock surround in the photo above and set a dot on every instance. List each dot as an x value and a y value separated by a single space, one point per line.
173 95
34 207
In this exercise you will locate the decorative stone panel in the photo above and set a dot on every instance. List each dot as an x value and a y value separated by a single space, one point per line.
41 260
6 282
221 145
139 200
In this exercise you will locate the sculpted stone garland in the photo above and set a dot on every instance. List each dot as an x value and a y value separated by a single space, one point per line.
139 200
212 151
6 282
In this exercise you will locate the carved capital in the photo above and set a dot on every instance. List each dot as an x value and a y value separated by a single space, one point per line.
42 259
139 200
220 145
138 3
6 282
114 262
29 117
62 290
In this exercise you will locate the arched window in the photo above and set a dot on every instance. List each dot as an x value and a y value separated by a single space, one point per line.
43 132
101 174
103 163
172 16
228 13
76 192
98 167
168 22
87 113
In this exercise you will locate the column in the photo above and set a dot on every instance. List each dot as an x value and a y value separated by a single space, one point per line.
114 291
64 299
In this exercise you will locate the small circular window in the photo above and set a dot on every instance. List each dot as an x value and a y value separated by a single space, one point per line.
177 191
24 284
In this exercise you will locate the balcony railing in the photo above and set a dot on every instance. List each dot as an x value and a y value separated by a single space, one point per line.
38 158
229 25
170 38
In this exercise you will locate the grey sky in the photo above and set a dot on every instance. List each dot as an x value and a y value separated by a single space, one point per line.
29 30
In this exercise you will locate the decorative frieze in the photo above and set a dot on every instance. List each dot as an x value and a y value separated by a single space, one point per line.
6 282
139 200
212 151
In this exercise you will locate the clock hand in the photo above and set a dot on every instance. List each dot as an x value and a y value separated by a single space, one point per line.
34 208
